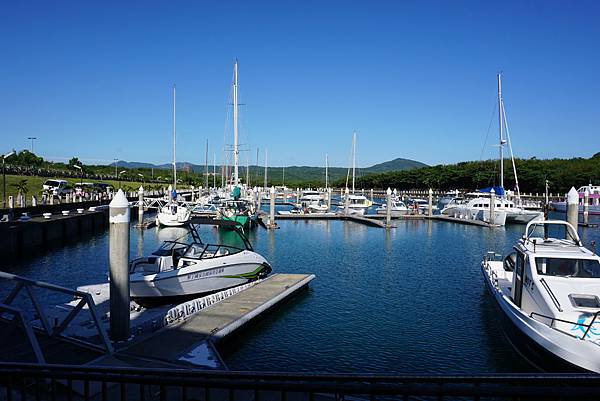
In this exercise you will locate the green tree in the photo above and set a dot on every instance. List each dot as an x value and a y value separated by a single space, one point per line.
21 187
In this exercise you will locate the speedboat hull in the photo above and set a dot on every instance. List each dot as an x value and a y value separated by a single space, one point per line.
205 276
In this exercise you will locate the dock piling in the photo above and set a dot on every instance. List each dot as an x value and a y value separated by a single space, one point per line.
347 201
272 223
118 259
141 205
573 208
586 207
491 219
430 203
388 208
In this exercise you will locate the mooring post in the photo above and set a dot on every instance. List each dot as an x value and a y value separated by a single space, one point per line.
430 203
586 207
193 192
328 195
388 207
347 201
371 195
572 208
297 196
140 205
33 201
272 208
492 220
11 202
118 259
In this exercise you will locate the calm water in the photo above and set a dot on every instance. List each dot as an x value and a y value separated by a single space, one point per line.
411 300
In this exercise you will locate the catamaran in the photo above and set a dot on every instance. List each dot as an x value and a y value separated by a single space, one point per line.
179 270
548 291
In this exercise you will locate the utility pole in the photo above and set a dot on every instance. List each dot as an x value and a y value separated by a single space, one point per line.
32 139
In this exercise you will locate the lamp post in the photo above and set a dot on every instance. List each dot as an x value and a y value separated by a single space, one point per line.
119 177
32 138
143 179
80 173
116 164
4 177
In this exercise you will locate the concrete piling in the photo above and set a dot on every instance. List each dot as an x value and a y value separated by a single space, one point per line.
118 259
371 195
430 203
328 195
347 201
586 207
11 202
388 208
573 207
492 220
297 196
272 208
141 205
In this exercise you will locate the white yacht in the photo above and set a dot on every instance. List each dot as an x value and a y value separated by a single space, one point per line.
312 202
504 211
357 204
179 270
398 208
549 291
173 214
594 200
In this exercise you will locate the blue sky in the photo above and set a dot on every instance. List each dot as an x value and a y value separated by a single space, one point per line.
416 79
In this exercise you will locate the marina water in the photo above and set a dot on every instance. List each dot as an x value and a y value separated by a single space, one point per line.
407 300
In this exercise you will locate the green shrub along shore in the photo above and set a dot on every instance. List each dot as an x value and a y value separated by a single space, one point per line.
561 175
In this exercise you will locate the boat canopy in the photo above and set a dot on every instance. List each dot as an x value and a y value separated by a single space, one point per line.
497 190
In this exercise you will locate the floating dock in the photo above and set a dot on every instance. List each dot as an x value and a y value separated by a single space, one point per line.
165 336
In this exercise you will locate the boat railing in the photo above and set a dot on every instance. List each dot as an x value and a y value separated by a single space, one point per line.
587 326
552 296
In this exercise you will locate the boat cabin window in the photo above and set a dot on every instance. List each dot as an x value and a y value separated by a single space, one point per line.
510 261
561 267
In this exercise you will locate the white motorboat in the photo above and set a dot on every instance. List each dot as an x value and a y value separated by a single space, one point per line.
549 291
356 204
421 205
312 202
179 270
398 208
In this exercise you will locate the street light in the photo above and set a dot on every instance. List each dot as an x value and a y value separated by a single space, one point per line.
4 177
143 179
32 138
119 177
80 175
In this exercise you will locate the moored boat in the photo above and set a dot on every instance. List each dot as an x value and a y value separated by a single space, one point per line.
548 290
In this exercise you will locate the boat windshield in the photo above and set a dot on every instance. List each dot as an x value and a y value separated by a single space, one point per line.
562 267
167 248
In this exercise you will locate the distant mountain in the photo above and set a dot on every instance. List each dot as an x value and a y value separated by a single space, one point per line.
394 165
292 175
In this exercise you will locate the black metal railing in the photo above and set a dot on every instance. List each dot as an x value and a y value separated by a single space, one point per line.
59 382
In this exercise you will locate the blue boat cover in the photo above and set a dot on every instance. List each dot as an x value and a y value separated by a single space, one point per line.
498 190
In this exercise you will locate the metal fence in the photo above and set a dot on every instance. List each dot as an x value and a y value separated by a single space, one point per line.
59 382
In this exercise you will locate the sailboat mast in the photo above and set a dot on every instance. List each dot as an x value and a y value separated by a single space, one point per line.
214 170
326 171
174 139
501 125
353 160
266 159
235 124
206 164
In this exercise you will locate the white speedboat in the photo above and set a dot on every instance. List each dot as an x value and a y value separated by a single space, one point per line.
549 291
173 215
179 270
357 204
312 202
398 208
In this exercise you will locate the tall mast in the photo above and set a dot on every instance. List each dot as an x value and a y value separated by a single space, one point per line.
283 177
206 164
501 125
326 171
353 160
235 123
266 159
174 139
214 170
